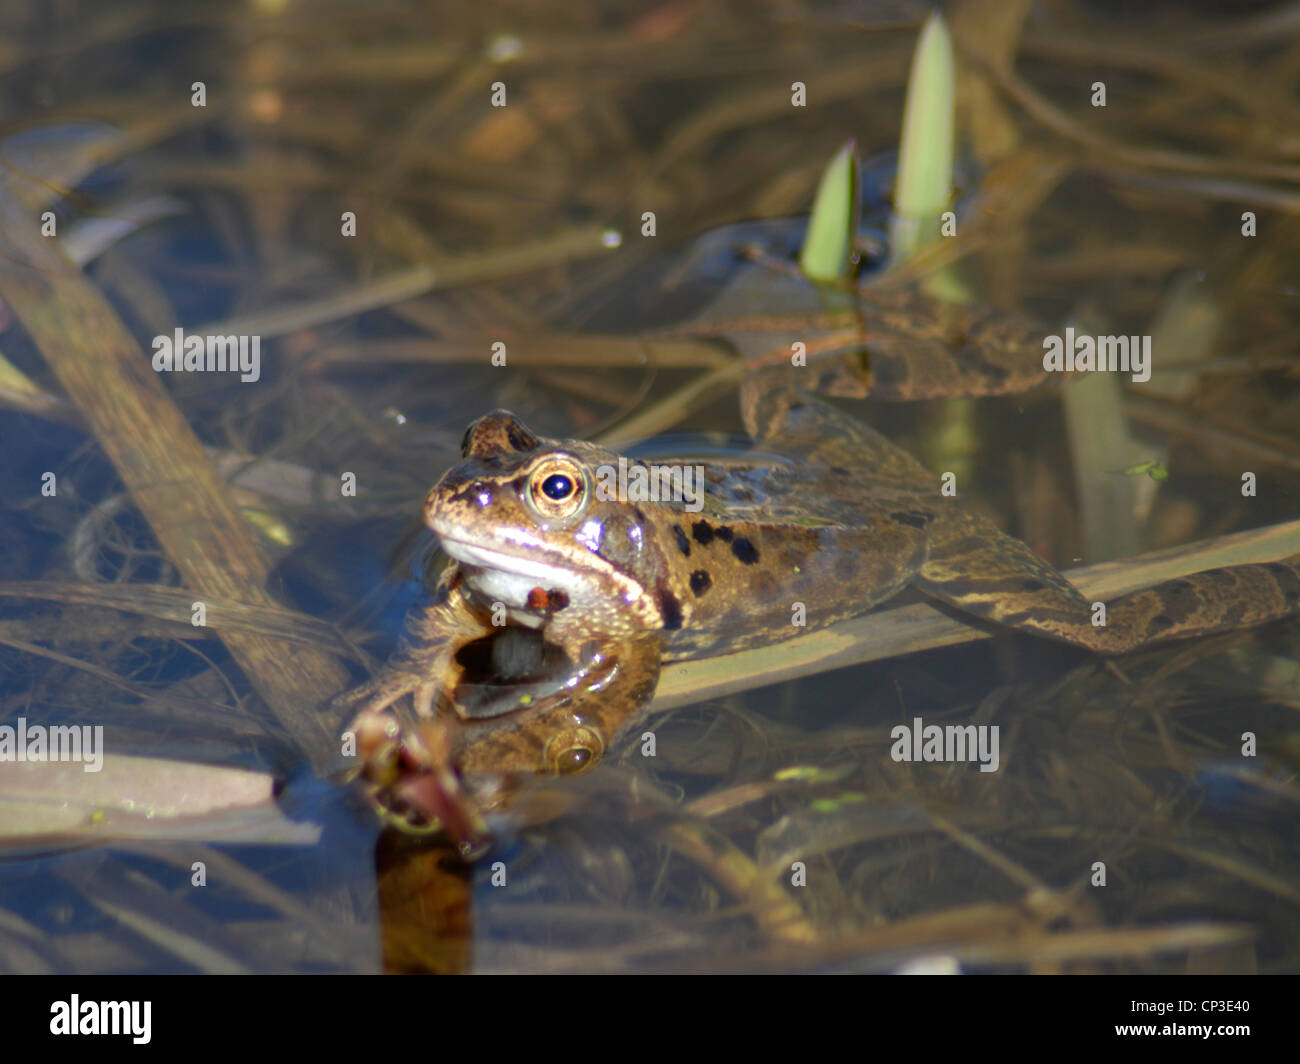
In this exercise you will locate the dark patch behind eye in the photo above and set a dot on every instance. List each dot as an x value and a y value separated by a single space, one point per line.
670 609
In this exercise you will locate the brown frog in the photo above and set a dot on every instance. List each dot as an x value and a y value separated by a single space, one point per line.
835 517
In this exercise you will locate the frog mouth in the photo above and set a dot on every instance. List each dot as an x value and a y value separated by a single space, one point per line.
514 576
516 570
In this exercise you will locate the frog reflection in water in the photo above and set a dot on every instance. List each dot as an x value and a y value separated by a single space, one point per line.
621 588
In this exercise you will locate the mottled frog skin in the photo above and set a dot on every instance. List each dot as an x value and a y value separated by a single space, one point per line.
840 522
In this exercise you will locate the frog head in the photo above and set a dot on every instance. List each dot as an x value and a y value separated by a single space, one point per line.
523 516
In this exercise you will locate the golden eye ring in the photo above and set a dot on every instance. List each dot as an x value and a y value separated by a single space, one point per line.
558 489
573 750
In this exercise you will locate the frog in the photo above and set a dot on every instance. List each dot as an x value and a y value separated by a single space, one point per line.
828 514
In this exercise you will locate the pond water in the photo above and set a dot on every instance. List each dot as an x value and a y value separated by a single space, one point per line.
380 194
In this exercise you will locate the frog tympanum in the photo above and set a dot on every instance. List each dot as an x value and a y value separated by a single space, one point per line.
842 521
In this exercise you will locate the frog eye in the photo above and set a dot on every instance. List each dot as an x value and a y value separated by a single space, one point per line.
573 750
557 488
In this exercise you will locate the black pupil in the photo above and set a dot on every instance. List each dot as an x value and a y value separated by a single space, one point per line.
573 759
557 487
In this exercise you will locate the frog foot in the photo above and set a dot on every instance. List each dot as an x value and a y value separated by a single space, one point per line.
411 781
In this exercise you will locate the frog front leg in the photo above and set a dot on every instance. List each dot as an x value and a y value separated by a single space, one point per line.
403 749
422 665
979 569
446 773
429 766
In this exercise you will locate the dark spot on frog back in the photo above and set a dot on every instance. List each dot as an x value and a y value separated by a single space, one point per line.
912 518
1286 579
683 544
887 375
744 550
700 582
976 361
